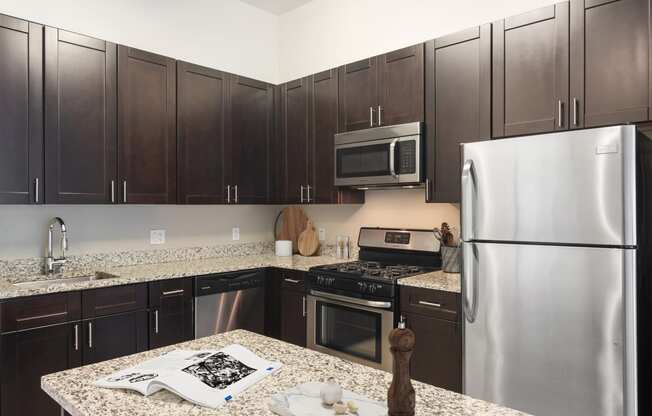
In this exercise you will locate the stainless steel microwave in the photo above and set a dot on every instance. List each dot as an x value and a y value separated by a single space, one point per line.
381 156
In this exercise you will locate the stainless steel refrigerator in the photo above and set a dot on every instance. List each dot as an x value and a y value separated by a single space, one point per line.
555 254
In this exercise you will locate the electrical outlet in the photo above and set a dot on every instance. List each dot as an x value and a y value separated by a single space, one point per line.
322 234
235 233
157 236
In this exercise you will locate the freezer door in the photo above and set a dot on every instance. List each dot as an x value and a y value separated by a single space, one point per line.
550 330
574 187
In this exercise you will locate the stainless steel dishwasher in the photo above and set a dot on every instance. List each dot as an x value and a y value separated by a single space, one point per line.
228 301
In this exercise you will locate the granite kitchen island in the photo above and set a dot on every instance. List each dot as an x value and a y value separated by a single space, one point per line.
74 389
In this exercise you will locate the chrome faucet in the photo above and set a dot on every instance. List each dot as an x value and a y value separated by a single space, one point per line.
50 262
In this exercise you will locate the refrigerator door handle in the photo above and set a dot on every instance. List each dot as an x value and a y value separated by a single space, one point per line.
468 185
469 282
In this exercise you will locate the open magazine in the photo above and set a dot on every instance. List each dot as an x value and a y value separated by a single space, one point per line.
208 378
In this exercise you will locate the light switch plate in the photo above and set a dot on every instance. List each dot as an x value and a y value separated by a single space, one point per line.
157 236
322 234
235 233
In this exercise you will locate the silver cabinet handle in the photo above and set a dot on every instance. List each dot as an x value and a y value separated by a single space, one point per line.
308 189
426 303
302 194
235 191
90 335
469 281
172 292
113 192
291 280
156 321
380 115
36 190
303 298
392 162
560 109
468 191
124 191
427 190
371 116
228 194
76 337
575 110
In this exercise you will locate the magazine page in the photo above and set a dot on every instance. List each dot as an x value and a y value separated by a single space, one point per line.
209 378
219 377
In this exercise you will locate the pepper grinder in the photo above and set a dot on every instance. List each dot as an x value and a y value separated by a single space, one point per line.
401 397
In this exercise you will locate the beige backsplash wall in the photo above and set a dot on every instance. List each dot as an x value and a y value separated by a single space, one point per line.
96 229
395 208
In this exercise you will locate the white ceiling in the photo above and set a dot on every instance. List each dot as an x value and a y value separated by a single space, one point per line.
277 7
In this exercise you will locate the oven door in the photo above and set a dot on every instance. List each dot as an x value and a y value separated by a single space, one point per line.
350 328
378 162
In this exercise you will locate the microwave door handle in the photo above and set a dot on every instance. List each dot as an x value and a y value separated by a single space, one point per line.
468 190
392 161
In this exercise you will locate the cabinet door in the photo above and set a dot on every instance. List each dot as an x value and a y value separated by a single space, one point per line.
29 355
610 67
401 78
249 140
80 118
530 72
358 94
295 130
171 312
21 111
458 105
114 336
437 356
293 317
147 156
201 129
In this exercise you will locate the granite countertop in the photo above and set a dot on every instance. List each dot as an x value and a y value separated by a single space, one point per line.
75 392
160 271
449 282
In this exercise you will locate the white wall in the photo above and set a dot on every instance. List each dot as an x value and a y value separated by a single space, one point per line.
99 229
224 34
327 33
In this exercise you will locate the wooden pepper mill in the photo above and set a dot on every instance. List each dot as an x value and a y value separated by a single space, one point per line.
401 397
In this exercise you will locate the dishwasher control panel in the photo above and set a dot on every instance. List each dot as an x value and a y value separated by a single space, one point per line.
229 282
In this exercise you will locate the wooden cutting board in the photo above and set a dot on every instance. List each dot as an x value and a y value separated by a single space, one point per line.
293 222
308 240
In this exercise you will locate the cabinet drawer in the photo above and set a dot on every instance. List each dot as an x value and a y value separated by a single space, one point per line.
292 279
173 288
116 299
36 311
434 303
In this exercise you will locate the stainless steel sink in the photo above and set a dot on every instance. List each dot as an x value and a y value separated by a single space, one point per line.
38 284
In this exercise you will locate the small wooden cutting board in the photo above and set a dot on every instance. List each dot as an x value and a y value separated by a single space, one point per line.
308 240
294 221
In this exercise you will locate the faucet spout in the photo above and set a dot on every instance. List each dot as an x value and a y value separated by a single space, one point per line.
50 262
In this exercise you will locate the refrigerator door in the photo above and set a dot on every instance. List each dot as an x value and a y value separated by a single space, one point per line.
551 330
574 187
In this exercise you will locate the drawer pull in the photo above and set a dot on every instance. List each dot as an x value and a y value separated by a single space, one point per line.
205 288
292 280
50 315
174 292
425 303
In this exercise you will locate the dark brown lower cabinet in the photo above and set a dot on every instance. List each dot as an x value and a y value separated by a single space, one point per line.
171 312
114 336
434 316
28 355
293 317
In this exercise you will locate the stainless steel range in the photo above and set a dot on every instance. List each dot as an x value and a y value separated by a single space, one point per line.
353 306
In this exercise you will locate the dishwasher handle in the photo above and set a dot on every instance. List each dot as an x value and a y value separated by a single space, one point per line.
229 282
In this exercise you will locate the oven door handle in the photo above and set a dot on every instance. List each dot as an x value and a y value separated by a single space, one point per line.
362 302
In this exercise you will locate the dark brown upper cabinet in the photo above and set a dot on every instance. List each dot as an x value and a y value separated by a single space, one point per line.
458 105
21 111
147 145
201 129
295 141
249 139
610 67
531 71
80 119
382 90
